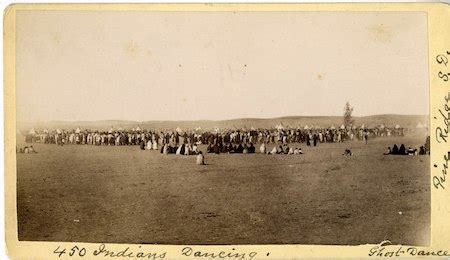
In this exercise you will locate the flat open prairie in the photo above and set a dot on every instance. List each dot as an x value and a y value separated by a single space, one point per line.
121 194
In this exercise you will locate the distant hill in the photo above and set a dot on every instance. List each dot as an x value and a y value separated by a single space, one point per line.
407 121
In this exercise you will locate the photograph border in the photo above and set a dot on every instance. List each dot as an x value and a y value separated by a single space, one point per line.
438 18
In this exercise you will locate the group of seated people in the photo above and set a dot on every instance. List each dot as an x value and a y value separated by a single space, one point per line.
403 151
250 148
230 148
183 149
26 149
282 149
241 148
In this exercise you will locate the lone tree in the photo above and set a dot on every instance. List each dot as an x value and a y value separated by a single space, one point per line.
348 119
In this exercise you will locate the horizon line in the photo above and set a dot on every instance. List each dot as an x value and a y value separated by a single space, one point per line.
209 120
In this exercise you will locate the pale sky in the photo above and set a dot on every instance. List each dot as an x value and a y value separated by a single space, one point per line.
92 65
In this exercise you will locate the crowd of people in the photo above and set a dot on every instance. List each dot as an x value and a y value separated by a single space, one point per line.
239 141
154 140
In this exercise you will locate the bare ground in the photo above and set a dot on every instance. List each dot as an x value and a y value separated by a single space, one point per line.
125 195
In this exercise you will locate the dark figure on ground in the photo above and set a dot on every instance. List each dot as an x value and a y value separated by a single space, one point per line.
251 148
427 145
347 152
395 150
402 150
239 149
422 150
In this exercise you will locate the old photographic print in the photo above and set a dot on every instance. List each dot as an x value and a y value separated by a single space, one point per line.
219 128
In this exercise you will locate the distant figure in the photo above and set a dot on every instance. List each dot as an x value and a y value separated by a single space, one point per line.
149 145
216 149
31 149
165 149
347 152
422 150
280 150
195 149
142 145
262 148
274 150
427 145
291 151
239 149
251 148
188 149
209 148
285 149
230 148
172 149
411 151
402 150
395 150
25 149
200 158
366 136
389 151
245 149
180 150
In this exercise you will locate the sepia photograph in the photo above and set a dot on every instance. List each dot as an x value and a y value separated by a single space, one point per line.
222 127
